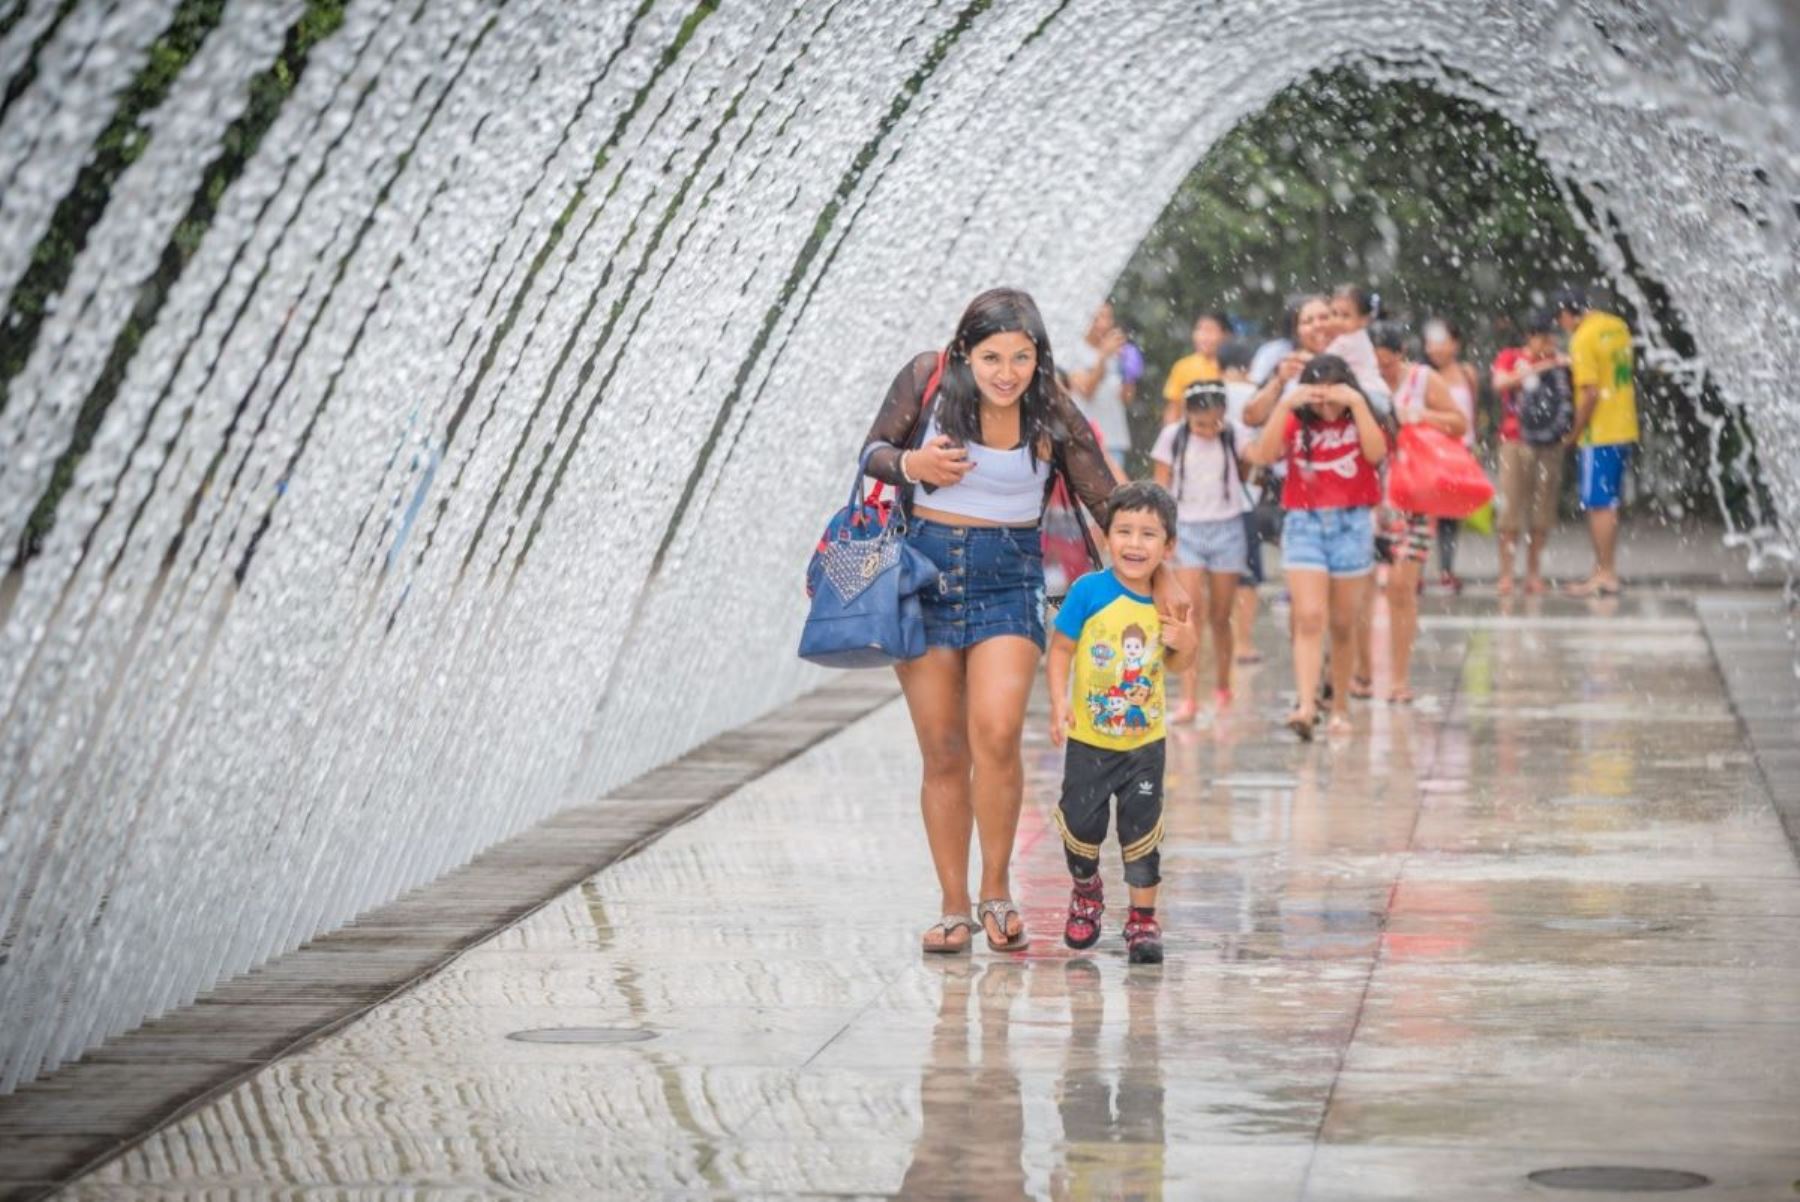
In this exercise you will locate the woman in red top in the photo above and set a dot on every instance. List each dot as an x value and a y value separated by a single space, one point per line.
1331 440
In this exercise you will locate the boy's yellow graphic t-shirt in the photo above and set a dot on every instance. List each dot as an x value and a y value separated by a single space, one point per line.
1600 356
1118 676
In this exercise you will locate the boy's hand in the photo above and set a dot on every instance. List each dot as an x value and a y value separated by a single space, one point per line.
1062 721
1180 637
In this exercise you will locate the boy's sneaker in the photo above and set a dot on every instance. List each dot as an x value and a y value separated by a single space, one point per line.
1143 936
1087 902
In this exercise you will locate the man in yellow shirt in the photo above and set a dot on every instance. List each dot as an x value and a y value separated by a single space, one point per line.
1606 426
1209 335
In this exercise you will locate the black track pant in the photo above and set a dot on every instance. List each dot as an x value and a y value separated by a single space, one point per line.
1092 778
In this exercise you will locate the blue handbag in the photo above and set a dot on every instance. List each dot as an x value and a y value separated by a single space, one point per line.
865 580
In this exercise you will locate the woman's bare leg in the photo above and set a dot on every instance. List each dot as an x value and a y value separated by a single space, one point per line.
1403 625
1350 608
1244 630
1194 581
933 685
1310 592
1000 674
1363 640
1220 595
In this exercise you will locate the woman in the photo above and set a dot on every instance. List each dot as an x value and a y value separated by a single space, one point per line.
1420 395
1444 351
1313 329
1327 432
973 481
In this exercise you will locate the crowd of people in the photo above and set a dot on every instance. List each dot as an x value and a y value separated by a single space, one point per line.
1284 441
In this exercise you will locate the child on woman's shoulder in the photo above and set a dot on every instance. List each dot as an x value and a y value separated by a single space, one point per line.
1120 651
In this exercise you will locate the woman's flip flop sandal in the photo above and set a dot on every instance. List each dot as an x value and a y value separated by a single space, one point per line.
947 924
1000 909
1302 726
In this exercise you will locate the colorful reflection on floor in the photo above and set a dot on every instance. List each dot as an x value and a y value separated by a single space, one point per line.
1545 917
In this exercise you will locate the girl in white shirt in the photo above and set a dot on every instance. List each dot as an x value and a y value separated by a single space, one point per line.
1197 461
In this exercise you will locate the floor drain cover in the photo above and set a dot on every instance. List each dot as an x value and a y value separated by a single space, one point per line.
1618 926
1624 1178
583 1035
1257 780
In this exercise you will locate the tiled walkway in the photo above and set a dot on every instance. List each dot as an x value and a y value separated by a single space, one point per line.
1545 918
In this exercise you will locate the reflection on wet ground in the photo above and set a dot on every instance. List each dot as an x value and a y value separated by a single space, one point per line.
1544 918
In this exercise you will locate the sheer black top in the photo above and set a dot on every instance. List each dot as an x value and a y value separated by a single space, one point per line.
1073 447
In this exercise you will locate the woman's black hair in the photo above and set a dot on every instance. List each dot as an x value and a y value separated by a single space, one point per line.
1236 353
1199 397
1367 303
1388 336
1328 369
958 404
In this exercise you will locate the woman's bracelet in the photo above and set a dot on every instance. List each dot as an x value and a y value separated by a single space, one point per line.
904 474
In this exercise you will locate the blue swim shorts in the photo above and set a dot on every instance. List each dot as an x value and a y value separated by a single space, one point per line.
1338 541
1603 475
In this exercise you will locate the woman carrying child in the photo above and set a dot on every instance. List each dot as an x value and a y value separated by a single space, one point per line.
1197 462
974 462
1330 438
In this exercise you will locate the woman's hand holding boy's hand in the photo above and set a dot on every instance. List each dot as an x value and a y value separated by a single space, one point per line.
1180 637
939 463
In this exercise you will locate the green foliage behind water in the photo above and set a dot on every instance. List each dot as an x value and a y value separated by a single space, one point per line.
1440 205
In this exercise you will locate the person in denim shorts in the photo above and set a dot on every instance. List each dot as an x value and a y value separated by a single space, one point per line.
1328 434
974 456
1197 462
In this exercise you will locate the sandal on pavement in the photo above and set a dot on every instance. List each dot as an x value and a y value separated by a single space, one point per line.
1001 910
1401 696
948 924
1362 688
1302 725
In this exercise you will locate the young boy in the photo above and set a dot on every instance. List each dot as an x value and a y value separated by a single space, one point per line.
1114 727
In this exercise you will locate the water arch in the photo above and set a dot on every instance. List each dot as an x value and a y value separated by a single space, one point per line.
425 413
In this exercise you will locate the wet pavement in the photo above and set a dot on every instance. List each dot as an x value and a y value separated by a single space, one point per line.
1544 918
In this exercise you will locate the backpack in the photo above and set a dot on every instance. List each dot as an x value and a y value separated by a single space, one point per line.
1547 407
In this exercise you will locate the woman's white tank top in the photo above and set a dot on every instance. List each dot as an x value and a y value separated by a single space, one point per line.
1004 486
1409 398
1464 396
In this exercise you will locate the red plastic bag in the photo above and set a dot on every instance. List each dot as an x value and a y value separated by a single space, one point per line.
1434 474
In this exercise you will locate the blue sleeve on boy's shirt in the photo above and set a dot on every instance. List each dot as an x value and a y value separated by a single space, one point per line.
1086 598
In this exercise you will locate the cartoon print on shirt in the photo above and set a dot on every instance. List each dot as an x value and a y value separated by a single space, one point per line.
1134 645
1137 692
1114 721
1102 654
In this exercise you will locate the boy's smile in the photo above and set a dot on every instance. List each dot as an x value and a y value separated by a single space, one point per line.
1138 544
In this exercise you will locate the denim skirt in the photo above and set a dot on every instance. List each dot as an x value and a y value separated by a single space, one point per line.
992 583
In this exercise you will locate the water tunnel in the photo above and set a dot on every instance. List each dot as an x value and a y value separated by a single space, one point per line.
414 416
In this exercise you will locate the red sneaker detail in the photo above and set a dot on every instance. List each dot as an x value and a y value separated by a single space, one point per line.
1086 905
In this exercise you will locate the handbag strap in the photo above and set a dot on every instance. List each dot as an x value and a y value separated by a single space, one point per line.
1061 473
924 423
